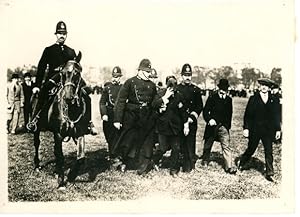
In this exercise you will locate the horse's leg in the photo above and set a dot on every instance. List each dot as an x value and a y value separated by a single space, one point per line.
80 142
36 141
59 158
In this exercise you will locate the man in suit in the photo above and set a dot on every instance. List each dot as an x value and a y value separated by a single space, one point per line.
217 113
261 122
15 99
107 104
27 89
53 59
133 116
194 105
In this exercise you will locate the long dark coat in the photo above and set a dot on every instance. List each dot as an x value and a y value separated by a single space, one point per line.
260 117
218 109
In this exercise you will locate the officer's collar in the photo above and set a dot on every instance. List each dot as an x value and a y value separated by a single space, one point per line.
187 84
115 82
60 44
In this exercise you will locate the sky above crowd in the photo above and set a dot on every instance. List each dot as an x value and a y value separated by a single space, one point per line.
170 33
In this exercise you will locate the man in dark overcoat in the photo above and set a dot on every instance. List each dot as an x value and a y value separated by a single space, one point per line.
169 125
217 113
53 59
107 104
194 105
133 116
261 122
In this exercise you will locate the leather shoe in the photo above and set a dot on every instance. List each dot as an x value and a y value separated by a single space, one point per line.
269 178
204 163
92 129
145 167
240 166
231 170
174 172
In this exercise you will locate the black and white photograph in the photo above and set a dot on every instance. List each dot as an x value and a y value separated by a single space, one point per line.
147 106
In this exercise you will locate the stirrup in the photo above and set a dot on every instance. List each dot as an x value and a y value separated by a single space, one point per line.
32 126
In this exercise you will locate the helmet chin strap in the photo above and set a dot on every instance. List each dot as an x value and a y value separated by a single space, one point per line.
144 76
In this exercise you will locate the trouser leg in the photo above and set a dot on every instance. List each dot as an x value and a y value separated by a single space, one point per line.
225 143
252 145
15 120
175 151
208 143
268 148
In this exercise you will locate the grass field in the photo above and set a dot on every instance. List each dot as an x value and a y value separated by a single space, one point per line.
96 182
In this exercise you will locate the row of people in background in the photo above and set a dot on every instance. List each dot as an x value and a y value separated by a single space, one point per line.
138 114
19 100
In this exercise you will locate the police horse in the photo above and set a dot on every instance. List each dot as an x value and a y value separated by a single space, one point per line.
65 118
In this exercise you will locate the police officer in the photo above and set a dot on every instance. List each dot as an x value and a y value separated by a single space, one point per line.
107 103
133 117
194 105
50 64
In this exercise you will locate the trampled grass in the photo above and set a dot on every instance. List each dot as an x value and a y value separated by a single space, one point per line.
96 182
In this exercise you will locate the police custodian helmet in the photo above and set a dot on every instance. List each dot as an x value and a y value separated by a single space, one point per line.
61 28
116 72
145 65
186 70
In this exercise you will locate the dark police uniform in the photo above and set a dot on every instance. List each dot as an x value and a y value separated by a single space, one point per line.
107 103
194 106
54 56
133 109
50 64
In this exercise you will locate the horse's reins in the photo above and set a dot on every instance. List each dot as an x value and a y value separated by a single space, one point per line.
65 110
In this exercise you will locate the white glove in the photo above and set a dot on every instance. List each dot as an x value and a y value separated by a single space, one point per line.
35 90
117 125
277 135
162 108
105 118
212 122
186 129
246 133
167 95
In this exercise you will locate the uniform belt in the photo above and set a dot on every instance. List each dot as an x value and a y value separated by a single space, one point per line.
132 106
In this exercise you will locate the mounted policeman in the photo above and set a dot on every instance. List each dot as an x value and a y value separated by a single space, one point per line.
51 63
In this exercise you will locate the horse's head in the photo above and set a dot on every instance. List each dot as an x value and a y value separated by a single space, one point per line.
71 79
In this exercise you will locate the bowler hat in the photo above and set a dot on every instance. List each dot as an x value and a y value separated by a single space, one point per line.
116 72
61 28
15 75
27 74
145 65
266 81
186 70
223 84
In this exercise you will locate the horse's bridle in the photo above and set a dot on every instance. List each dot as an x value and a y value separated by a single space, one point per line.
76 98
